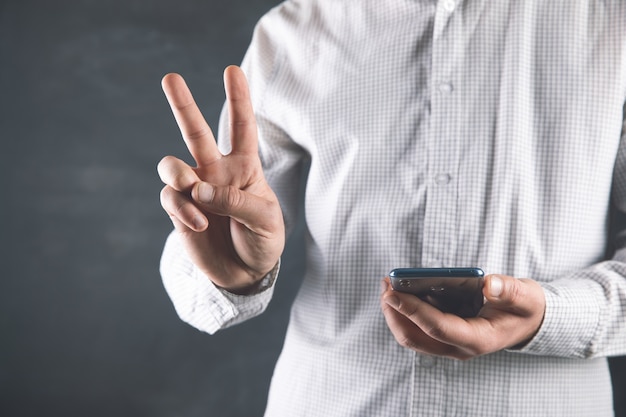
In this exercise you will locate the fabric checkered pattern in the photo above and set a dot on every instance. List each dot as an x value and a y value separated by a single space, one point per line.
450 133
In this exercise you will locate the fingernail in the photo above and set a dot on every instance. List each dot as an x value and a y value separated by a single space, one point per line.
383 286
199 222
495 287
205 192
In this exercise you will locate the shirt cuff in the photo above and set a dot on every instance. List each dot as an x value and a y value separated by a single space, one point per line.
251 305
198 301
570 322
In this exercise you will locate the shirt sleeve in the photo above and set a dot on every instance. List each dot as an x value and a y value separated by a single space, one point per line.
198 301
586 312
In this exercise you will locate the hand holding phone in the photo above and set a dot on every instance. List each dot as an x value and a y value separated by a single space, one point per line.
511 316
452 290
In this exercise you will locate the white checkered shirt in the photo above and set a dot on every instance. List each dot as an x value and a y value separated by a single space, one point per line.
451 133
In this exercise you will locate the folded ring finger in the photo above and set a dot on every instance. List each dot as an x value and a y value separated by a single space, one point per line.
177 174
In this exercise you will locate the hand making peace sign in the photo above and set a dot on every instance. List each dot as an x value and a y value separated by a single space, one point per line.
228 216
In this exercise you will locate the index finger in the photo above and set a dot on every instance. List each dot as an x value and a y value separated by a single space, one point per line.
443 327
195 130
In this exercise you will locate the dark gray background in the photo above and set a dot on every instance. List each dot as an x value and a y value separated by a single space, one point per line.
86 327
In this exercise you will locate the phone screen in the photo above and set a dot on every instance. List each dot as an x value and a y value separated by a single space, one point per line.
452 290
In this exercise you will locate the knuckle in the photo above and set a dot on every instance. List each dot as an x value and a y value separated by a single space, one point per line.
181 180
171 201
179 209
405 340
435 331
166 161
228 198
164 166
473 350
198 133
231 198
516 291
410 311
175 173
163 163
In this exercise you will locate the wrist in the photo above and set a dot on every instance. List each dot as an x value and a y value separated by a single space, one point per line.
259 285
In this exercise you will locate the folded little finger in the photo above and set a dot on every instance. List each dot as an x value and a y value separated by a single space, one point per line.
180 207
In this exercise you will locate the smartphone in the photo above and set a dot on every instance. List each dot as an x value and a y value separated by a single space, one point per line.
452 290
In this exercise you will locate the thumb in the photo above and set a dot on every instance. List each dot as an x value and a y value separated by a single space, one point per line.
503 290
257 213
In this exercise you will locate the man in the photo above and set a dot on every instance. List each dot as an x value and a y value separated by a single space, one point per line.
450 133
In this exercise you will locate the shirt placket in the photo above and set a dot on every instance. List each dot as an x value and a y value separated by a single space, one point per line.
442 147
442 143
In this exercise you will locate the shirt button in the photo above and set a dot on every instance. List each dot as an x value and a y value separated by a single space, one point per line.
442 179
427 361
449 5
445 88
